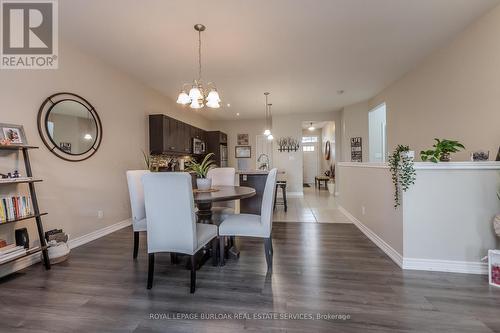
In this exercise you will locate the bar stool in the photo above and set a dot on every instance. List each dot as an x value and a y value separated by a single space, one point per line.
280 184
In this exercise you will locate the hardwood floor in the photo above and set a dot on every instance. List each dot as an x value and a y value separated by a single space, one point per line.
318 268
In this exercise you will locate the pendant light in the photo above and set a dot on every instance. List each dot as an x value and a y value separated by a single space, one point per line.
199 96
311 128
270 137
267 130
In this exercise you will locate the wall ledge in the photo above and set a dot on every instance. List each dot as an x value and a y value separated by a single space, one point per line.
465 165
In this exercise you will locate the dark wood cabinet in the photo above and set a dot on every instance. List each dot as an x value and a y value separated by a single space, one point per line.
169 135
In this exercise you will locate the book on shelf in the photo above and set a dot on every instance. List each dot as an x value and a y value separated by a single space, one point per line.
15 207
16 251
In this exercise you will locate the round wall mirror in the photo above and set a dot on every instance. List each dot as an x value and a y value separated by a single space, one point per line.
69 126
327 150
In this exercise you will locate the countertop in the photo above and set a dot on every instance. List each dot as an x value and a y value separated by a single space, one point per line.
255 172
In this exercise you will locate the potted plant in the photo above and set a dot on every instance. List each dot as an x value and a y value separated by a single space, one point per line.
331 183
201 169
402 170
442 150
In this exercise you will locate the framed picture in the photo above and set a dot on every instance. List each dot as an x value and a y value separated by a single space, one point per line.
356 150
243 151
243 140
14 133
65 147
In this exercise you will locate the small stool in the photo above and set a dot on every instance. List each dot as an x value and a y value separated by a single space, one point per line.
280 184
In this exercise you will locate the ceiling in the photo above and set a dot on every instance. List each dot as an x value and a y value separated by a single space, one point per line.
303 52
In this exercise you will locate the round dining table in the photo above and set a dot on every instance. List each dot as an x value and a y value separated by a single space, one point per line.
204 201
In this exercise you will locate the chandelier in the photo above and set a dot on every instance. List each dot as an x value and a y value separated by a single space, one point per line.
269 120
199 96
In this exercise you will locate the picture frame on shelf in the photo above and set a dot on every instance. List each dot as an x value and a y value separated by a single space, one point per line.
243 140
13 134
243 151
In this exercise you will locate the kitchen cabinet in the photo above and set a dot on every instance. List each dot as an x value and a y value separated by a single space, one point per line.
171 136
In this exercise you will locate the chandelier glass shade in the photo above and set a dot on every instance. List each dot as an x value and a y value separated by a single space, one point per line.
198 95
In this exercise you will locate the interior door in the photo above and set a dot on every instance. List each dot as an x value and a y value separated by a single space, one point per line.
310 162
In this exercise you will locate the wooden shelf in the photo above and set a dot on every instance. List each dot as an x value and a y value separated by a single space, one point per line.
28 253
19 180
16 147
32 216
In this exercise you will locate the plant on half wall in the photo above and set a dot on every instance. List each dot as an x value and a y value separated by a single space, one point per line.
402 170
442 150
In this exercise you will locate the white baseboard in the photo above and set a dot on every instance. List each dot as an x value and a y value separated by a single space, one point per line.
451 266
389 250
35 257
99 233
294 194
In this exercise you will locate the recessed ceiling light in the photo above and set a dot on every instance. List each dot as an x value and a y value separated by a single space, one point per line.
238 114
228 105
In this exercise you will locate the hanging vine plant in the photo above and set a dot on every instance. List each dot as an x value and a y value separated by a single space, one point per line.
402 170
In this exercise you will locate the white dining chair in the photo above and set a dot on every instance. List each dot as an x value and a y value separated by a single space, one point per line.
172 223
253 225
222 177
136 193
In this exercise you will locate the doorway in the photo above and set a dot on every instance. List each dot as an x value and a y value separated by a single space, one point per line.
377 136
310 158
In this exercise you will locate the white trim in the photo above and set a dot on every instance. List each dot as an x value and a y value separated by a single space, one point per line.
389 250
35 257
99 233
467 267
295 194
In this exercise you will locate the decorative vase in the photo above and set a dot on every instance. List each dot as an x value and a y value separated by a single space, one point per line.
204 184
496 225
331 187
445 157
409 154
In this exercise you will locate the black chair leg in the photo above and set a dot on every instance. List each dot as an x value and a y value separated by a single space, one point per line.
268 248
222 250
136 243
283 188
215 249
275 196
151 270
193 273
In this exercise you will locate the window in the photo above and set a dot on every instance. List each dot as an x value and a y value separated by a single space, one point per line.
307 148
377 137
309 139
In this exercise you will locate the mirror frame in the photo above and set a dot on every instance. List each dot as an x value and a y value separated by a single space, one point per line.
43 114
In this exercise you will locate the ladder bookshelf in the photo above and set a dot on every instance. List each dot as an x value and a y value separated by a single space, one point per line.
37 215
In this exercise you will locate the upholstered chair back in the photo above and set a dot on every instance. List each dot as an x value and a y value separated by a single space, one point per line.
170 212
136 193
266 213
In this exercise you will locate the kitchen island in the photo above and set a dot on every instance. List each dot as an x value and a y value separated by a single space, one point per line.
257 180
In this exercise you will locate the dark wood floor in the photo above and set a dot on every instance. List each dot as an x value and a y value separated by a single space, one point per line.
318 268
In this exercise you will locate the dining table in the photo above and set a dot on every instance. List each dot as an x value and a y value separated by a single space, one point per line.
204 201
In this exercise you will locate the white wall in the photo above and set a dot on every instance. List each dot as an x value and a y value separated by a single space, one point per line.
353 123
72 193
371 188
